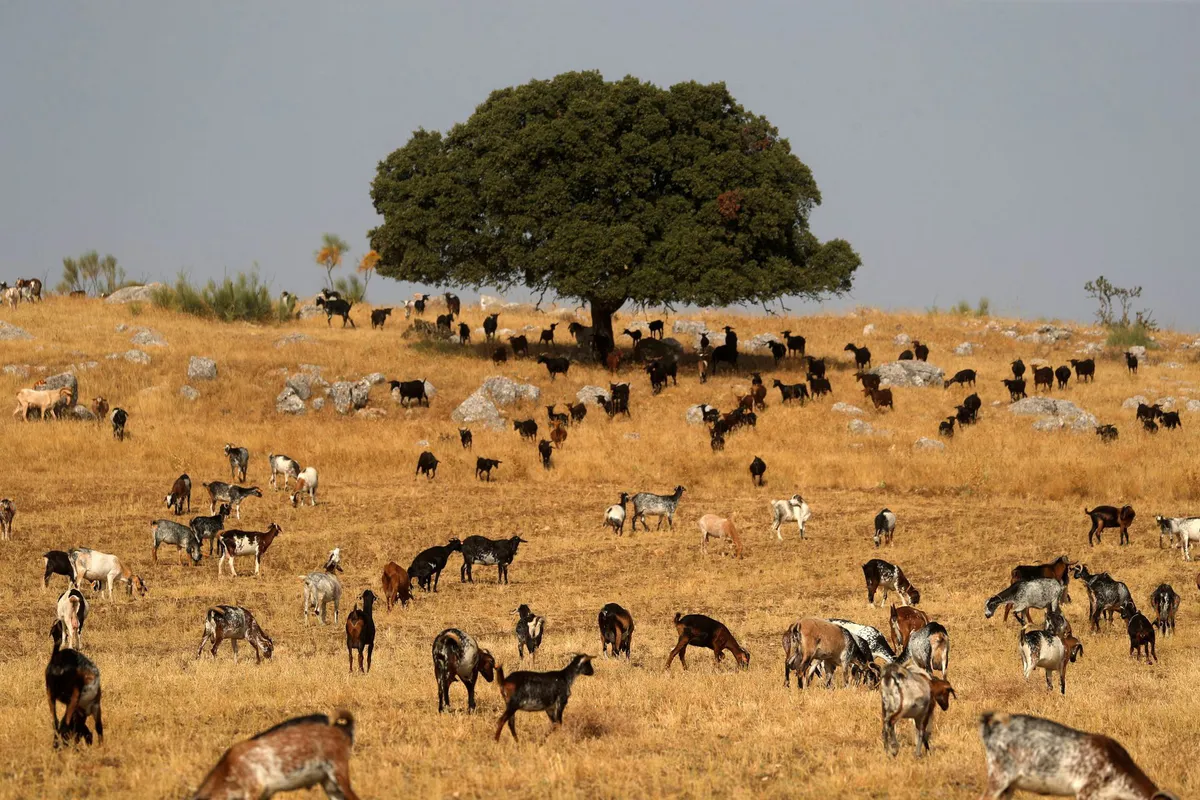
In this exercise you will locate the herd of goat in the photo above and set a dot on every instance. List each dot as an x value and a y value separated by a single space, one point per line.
908 666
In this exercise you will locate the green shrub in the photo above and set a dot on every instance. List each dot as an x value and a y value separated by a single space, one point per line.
351 288
983 308
243 298
1130 334
962 308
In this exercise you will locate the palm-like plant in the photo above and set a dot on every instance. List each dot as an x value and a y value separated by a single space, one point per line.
366 268
329 256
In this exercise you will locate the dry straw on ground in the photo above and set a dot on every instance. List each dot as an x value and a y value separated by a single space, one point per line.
1001 494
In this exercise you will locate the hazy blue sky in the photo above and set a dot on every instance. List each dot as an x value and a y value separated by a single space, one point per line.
1001 149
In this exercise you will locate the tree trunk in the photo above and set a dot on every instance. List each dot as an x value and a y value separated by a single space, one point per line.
603 340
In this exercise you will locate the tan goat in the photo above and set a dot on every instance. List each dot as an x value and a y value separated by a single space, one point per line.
714 527
810 643
46 401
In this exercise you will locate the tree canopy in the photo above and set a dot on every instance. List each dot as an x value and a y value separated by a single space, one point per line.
608 192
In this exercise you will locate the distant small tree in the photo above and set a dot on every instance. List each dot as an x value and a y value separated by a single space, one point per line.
366 268
92 274
1104 293
329 255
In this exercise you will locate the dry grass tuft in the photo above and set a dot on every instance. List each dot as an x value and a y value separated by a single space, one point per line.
1001 494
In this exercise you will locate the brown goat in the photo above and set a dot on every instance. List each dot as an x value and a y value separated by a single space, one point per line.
882 398
904 621
297 754
100 409
810 643
558 435
698 630
360 631
396 585
714 527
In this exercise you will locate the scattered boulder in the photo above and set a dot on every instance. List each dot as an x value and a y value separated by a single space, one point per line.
293 338
860 427
370 413
1060 413
929 445
430 390
63 380
202 369
288 402
145 337
633 435
375 378
1168 403
429 330
868 329
1090 349
1173 365
505 392
12 332
350 395
133 294
587 395
478 409
902 340
1138 350
84 366
1046 334
1132 402
19 370
691 326
909 373
301 385
760 343
1193 405
188 393
83 414
309 310
694 415
318 403
137 357
845 408
965 349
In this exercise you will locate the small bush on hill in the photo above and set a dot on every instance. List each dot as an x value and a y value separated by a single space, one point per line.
242 298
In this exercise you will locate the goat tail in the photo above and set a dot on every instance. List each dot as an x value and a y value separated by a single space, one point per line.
500 679
344 721
678 617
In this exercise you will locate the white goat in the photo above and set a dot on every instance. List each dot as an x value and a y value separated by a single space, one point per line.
282 465
614 515
72 612
321 588
306 482
1186 529
794 508
1045 650
92 565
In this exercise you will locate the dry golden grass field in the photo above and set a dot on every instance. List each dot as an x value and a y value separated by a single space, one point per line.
1001 494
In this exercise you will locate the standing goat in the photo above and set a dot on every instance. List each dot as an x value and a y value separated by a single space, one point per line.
72 613
1041 593
73 680
1165 603
360 631
614 515
1045 650
323 588
1110 517
616 630
880 573
660 505
239 461
792 508
235 624
282 465
245 543
456 657
910 694
181 491
7 511
529 630
539 691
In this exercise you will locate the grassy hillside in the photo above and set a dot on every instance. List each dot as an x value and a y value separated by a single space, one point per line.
1000 494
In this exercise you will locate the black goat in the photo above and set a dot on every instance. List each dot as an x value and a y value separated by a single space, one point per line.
1016 388
946 427
464 333
656 327
529 630
1043 377
519 344
547 336
862 356
499 355
465 437
818 386
360 631
1131 361
1107 433
379 316
758 468
73 680
427 465
793 391
490 325
528 428
1170 420
1018 368
338 307
1085 369
962 377
816 366
795 344
119 418
484 467
453 304
726 353
1063 374
410 391
57 563
427 567
616 630
556 365
1141 632
481 550
921 351
778 351
539 691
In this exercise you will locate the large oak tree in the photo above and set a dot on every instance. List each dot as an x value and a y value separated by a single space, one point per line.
608 193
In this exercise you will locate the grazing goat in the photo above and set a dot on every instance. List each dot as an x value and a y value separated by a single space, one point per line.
614 515
245 543
427 465
1131 362
1107 433
456 657
92 565
73 680
1085 369
379 316
928 649
1165 603
792 508
306 483
1105 595
721 529
1170 420
880 573
336 307
810 643
698 630
616 630
868 380
1043 377
519 345
427 567
555 418
1063 375
910 694
528 631
1016 388
1141 632
876 644
72 613
322 588
1041 593
558 365
484 467
1110 517
1044 650
408 392
903 621
1037 755
885 527
500 355
489 552
46 401
539 691
791 391
397 586
795 344
758 468
1186 529
660 505
862 356
220 492
558 435
577 412
239 460
1057 624
8 510
282 466
962 378
235 623
1147 413
818 386
946 427
297 754
360 631
185 540
1059 569
57 562
210 527
181 491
